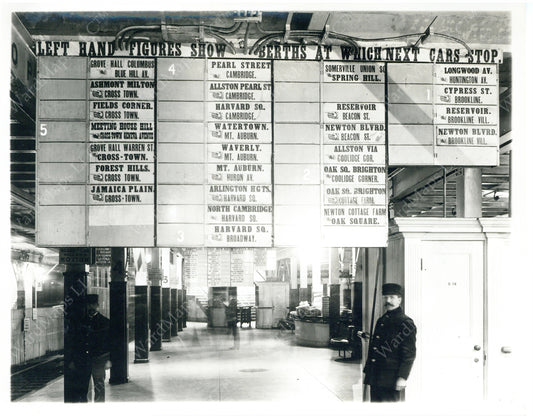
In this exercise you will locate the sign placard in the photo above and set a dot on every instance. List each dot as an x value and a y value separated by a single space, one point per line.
239 111
238 91
102 256
260 153
121 148
466 74
466 105
354 173
239 154
365 133
121 130
239 70
121 152
354 112
355 72
75 255
363 154
239 132
220 165
238 235
241 193
122 89
121 68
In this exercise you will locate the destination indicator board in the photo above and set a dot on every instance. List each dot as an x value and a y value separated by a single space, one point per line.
466 95
477 115
251 173
239 132
121 110
121 147
362 154
121 68
467 135
238 91
237 235
466 74
354 72
466 111
239 70
121 152
355 195
239 193
259 153
239 154
354 112
357 133
124 89
121 172
239 111
121 131
353 166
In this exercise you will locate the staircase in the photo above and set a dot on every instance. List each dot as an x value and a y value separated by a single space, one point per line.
197 301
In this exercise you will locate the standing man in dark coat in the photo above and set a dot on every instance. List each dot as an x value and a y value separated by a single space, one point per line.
392 349
97 349
231 319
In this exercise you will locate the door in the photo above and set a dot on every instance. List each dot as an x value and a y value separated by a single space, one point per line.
450 320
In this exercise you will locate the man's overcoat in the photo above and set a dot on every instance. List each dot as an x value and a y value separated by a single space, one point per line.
392 350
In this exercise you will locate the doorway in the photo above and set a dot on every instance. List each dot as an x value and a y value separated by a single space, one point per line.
449 317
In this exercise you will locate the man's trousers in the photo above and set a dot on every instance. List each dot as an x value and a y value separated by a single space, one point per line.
382 394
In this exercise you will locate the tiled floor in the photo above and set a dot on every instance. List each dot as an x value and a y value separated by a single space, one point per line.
200 365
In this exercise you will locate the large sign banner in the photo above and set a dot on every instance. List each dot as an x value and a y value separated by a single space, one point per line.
191 146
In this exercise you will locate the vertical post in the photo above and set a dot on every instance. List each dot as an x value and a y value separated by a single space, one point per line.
469 193
301 290
334 308
166 318
293 288
155 318
74 291
180 312
154 273
141 324
174 317
444 186
118 318
510 182
316 279
185 308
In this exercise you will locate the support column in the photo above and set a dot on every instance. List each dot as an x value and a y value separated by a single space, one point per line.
185 308
334 265
155 318
316 279
302 274
141 324
166 315
118 318
469 193
174 312
180 313
334 308
155 275
293 288
74 291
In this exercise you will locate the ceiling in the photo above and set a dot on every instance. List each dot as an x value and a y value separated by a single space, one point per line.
474 28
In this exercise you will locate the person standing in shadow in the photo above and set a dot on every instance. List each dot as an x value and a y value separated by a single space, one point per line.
97 347
231 319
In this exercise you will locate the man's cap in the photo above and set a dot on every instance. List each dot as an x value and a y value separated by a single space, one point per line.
91 299
391 289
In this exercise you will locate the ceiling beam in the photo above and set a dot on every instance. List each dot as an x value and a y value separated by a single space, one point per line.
318 21
411 180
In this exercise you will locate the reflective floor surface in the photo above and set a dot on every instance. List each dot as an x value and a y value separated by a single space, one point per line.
202 364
